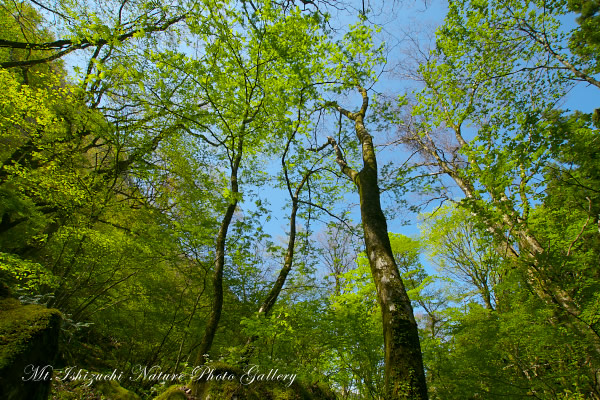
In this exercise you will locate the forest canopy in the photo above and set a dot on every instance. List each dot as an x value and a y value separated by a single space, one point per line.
211 184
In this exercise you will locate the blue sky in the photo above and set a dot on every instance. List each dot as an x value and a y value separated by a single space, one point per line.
403 27
405 24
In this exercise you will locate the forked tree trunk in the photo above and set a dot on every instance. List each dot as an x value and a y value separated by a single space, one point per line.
217 279
404 374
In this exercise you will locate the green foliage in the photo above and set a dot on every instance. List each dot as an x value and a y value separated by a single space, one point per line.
522 238
22 23
354 59
172 393
79 228
515 352
112 191
23 275
585 39
463 251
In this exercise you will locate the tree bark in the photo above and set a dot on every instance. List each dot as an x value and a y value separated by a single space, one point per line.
217 284
217 279
269 301
404 374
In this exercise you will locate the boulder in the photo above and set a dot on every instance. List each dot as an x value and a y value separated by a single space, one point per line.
218 386
113 391
28 349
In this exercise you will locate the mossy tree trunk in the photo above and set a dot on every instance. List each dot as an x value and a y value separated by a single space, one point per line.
404 374
217 278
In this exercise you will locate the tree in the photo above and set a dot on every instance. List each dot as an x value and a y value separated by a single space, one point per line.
462 252
404 375
234 96
493 69
80 203
338 251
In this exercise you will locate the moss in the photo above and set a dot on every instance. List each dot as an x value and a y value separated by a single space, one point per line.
114 391
19 324
321 391
284 394
28 342
80 390
216 389
174 392
221 367
228 390
73 390
9 303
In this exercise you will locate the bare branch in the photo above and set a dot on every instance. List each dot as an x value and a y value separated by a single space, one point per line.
352 174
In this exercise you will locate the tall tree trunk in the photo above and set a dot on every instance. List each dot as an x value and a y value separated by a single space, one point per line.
217 279
271 298
217 284
404 374
269 301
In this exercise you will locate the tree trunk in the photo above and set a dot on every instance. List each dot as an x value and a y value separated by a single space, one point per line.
217 280
217 284
269 301
271 298
404 374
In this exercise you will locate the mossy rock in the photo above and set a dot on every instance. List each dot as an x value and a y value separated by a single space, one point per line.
175 392
113 391
81 389
72 390
28 340
218 387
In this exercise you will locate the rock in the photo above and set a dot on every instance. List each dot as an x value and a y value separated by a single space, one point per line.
28 348
218 386
82 389
175 392
113 391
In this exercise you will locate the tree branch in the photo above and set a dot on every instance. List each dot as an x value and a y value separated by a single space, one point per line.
339 158
70 46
